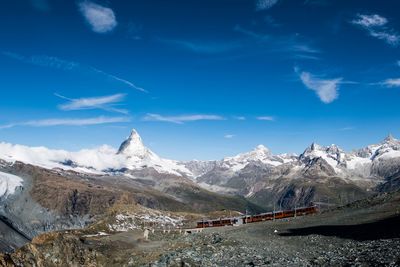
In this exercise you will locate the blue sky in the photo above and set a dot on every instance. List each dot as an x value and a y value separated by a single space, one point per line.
199 79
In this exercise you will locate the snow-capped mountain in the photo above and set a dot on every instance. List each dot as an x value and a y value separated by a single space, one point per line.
332 154
133 147
132 155
251 174
259 154
259 174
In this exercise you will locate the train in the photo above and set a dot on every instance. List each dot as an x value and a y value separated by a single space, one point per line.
257 218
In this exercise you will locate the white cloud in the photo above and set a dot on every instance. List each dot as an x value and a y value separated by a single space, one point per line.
101 19
182 118
370 20
67 122
388 37
392 82
229 136
326 89
265 4
102 102
376 27
266 118
61 64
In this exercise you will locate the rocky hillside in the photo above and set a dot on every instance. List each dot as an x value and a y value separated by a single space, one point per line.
41 200
363 233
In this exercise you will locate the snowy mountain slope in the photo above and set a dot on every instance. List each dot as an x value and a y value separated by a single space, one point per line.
132 155
259 172
259 154
219 172
231 174
8 184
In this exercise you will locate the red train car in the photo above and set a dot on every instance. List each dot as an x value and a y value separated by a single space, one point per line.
258 218
217 223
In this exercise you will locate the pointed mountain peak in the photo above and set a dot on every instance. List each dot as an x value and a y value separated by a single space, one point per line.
134 136
389 139
334 149
312 149
133 145
314 146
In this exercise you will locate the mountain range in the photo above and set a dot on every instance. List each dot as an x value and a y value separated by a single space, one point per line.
245 174
43 189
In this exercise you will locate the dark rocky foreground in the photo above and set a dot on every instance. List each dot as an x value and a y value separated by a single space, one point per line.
365 233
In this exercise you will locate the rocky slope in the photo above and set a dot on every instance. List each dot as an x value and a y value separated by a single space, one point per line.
364 233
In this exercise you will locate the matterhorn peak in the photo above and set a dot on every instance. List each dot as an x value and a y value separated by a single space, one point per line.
133 145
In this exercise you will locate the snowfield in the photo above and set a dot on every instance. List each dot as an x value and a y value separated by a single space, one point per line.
8 184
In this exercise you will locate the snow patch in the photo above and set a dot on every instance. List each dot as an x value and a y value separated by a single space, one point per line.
8 184
126 222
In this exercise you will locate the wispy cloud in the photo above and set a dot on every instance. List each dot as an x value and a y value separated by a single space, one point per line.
291 44
326 89
369 21
348 128
182 118
255 35
265 4
101 19
103 102
229 136
394 82
67 122
265 118
203 47
118 79
239 118
65 65
375 25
